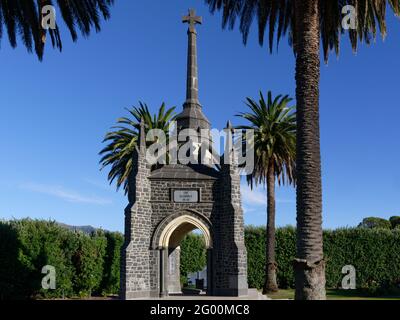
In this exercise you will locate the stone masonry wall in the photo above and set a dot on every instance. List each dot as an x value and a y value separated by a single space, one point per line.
138 262
231 255
152 204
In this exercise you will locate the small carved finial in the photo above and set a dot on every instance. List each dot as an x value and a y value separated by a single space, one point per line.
228 143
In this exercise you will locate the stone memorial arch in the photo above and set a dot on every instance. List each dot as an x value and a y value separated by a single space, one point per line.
167 203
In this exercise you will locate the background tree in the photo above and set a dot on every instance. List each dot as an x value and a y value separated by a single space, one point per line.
308 24
374 222
274 125
124 138
193 255
395 222
24 18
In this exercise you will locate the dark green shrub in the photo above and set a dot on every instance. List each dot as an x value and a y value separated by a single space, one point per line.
255 244
395 222
12 271
31 245
88 261
285 251
110 281
84 264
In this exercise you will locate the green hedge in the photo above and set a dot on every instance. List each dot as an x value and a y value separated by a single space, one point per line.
110 282
84 264
89 264
375 254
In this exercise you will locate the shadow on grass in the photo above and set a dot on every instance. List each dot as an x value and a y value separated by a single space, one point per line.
336 294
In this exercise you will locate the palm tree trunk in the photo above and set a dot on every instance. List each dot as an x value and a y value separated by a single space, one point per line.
270 284
309 266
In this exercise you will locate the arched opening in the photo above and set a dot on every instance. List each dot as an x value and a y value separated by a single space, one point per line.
169 242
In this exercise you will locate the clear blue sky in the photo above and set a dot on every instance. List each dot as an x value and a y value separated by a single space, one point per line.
54 114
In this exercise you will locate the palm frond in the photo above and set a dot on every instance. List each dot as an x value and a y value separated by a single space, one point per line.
23 18
274 125
278 16
123 139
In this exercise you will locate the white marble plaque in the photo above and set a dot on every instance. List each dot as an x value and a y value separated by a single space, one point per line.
186 196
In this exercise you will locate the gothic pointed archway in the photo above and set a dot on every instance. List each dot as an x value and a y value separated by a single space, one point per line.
167 238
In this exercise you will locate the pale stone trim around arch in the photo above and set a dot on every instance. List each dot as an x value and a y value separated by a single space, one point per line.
179 221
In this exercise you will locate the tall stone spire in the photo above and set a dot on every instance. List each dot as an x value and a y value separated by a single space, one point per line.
192 115
192 80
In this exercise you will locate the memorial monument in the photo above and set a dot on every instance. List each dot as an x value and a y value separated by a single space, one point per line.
170 201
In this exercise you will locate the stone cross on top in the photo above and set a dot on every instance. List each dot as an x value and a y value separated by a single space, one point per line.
192 89
192 115
192 19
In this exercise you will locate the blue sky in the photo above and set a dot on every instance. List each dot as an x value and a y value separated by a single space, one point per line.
54 114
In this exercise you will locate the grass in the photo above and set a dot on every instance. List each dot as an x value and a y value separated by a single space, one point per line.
333 294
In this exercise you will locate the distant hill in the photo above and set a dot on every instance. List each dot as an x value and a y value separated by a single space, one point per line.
85 229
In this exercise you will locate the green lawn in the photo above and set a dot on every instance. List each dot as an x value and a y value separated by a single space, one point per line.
333 295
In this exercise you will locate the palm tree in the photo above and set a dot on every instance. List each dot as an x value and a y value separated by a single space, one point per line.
123 140
308 23
24 18
274 125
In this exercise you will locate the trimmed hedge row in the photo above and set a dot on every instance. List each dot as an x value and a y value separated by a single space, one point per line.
375 254
84 264
89 264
